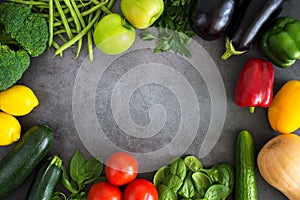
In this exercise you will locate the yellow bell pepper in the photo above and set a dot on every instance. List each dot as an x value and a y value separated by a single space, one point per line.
284 111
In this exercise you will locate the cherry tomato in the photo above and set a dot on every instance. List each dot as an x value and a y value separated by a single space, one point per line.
104 190
140 189
121 168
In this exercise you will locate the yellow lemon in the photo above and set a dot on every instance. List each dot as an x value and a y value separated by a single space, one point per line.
10 129
18 100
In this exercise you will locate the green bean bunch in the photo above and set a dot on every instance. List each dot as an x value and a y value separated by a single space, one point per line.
70 21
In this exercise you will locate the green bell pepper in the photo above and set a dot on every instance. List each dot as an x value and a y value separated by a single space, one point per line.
280 43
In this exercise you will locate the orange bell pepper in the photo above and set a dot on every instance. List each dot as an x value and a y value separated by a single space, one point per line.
284 111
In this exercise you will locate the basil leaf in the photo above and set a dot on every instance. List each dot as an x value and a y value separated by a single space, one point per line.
93 168
56 195
216 192
178 168
95 179
77 166
187 190
193 163
66 182
165 193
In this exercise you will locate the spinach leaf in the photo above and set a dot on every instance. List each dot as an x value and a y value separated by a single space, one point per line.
165 193
174 182
225 175
212 174
178 168
187 190
201 182
198 196
216 192
161 175
193 163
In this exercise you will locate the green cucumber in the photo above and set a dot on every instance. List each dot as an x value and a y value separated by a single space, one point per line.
45 179
21 160
245 176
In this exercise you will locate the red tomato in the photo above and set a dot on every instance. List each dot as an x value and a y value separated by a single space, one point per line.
121 168
104 190
140 189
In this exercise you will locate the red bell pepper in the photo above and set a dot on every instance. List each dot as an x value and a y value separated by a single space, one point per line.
255 84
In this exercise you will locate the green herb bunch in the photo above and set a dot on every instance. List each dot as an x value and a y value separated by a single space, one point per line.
174 32
83 173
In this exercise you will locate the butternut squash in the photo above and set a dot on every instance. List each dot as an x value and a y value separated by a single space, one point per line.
279 164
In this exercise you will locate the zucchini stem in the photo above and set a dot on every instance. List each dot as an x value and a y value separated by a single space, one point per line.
55 160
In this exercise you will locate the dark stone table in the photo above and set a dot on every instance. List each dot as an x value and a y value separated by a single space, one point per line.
155 105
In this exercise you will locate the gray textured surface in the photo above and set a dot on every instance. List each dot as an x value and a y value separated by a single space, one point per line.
53 79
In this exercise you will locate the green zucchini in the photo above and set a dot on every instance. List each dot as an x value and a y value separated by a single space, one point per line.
45 179
245 176
21 160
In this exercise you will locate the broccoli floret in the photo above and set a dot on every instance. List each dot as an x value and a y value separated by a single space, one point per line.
12 65
22 34
29 30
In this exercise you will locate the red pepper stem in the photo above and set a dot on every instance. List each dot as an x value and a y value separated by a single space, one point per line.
251 109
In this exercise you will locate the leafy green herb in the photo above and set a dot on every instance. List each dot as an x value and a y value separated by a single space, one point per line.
77 166
174 32
82 173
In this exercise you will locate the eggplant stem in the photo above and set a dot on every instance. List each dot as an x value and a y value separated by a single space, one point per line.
230 50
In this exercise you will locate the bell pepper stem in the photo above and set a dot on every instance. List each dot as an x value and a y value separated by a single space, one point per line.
230 50
251 109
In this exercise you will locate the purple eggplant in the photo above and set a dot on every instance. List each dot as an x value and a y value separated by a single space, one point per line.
209 19
250 21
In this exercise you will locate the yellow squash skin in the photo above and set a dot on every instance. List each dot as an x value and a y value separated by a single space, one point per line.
284 111
278 163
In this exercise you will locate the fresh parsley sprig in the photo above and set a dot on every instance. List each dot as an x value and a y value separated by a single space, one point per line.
174 32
